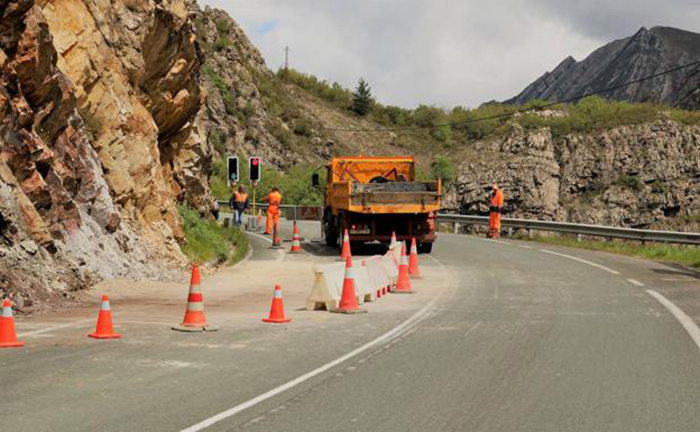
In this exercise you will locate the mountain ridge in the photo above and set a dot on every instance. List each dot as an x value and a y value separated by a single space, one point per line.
647 52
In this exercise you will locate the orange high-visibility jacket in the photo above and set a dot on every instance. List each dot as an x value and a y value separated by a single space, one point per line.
497 200
273 198
240 197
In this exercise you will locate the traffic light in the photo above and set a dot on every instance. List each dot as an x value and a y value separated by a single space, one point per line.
255 168
233 173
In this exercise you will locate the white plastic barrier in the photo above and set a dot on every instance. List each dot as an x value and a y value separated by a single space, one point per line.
328 286
378 276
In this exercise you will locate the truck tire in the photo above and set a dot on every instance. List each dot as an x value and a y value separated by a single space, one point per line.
425 248
329 229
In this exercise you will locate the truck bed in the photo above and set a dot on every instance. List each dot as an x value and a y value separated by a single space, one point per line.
388 197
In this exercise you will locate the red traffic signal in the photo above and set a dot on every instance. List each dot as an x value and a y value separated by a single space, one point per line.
254 168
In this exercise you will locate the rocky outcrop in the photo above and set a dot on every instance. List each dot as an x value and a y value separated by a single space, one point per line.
637 176
101 135
646 53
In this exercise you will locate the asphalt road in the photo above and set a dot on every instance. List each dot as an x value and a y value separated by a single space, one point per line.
502 336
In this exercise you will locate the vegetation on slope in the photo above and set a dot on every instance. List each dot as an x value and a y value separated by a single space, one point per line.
295 184
207 241
463 124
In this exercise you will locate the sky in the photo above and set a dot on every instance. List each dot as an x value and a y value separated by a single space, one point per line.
443 52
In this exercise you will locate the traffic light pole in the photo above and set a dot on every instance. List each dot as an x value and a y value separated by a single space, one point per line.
255 214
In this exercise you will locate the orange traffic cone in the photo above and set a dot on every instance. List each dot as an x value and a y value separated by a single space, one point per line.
403 283
413 270
259 220
345 251
277 308
296 243
104 329
195 320
348 299
393 239
276 240
8 337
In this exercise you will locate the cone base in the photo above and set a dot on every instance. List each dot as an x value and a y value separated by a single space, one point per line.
277 247
277 320
195 329
295 251
350 311
105 335
16 344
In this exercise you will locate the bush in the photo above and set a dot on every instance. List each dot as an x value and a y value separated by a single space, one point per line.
218 141
207 241
444 169
442 133
222 43
629 182
222 26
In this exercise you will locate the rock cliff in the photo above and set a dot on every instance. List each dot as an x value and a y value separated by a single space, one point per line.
101 134
638 176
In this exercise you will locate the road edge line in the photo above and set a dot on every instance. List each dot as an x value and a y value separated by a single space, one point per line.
683 318
590 263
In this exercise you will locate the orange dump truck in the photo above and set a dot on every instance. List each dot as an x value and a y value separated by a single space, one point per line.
373 196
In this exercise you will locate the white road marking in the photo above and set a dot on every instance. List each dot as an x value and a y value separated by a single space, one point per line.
392 334
50 329
476 326
269 240
677 279
687 322
525 247
609 270
635 282
280 252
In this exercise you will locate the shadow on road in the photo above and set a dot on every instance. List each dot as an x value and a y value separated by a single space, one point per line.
320 249
677 270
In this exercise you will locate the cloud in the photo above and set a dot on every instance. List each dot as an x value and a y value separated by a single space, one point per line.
443 52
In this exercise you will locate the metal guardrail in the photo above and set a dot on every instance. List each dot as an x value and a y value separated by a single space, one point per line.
579 229
531 225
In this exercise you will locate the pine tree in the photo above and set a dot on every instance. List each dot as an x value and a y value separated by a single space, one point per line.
362 98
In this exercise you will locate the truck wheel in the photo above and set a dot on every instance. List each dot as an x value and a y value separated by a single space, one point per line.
425 248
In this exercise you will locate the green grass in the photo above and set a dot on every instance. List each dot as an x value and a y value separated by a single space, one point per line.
686 255
207 241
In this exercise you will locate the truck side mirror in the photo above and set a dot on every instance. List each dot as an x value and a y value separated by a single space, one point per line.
315 180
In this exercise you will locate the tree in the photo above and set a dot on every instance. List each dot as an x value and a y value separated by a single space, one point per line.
362 98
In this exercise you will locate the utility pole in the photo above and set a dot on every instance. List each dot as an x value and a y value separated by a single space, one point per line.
286 62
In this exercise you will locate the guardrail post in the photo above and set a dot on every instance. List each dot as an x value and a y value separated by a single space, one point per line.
529 233
578 238
510 231
456 228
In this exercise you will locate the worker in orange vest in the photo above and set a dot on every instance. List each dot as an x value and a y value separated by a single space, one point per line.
274 199
495 208
239 204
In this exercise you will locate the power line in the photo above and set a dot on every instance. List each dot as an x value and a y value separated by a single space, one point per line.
522 111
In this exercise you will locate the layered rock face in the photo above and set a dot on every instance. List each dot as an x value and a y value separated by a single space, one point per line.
638 176
101 134
646 53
